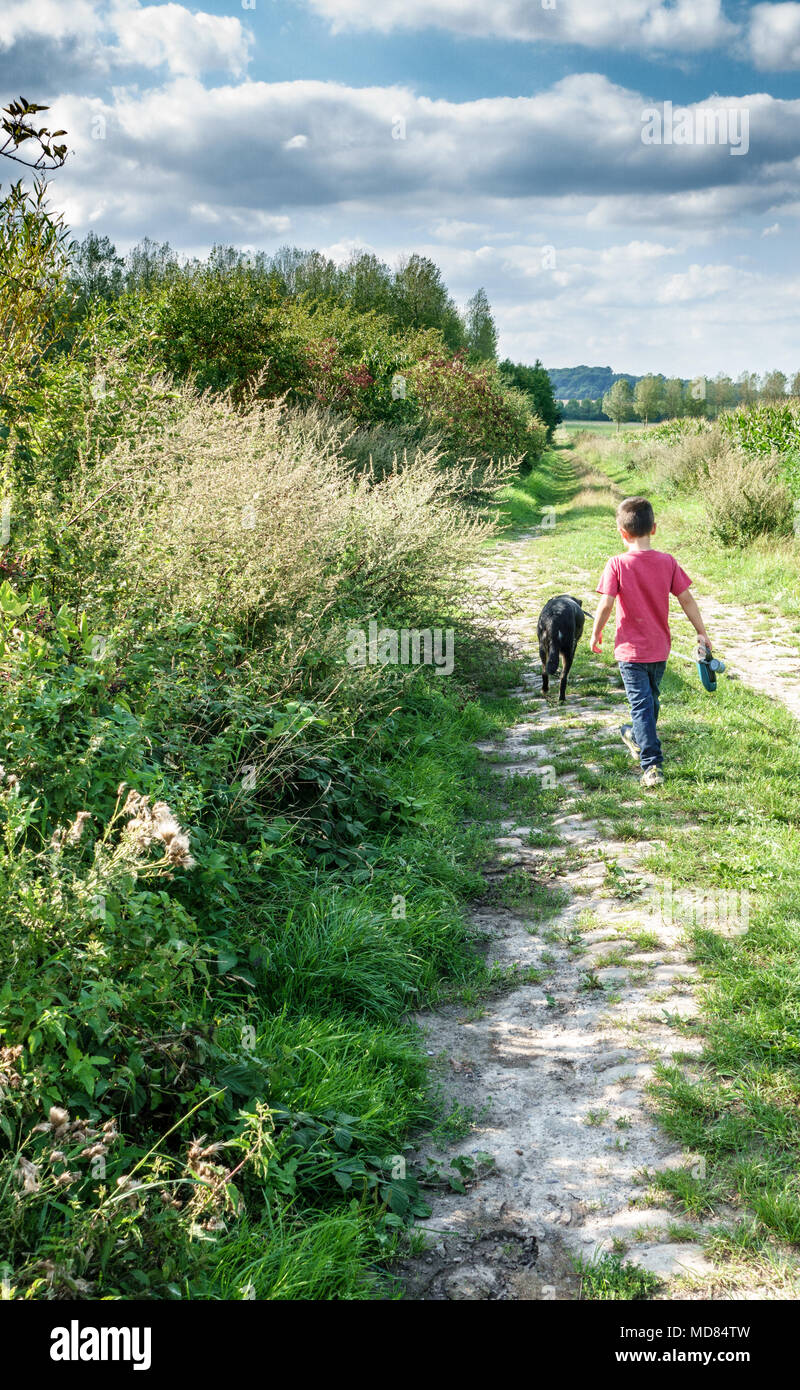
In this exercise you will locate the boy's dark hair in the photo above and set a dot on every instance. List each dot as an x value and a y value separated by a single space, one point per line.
635 516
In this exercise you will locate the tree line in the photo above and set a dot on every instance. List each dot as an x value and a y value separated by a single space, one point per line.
412 296
662 398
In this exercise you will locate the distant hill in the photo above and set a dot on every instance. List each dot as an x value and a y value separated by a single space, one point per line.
585 383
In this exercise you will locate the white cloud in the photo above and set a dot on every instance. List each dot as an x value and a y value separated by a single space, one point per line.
170 35
641 315
249 222
573 151
685 26
774 37
96 36
24 19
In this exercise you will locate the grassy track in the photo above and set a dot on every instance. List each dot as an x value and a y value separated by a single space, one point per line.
728 819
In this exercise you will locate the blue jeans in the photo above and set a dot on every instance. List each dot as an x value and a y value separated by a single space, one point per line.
642 680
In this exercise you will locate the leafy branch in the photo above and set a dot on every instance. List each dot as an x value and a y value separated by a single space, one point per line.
19 128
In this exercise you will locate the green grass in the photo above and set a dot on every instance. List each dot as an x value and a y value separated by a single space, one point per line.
733 766
549 485
610 1277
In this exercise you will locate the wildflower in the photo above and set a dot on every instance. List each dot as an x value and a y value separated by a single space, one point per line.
93 1151
178 852
110 1132
166 826
156 823
58 1116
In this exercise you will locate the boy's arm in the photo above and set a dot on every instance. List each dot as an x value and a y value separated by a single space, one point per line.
601 617
694 615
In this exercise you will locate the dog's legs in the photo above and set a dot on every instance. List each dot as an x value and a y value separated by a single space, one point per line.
545 678
562 689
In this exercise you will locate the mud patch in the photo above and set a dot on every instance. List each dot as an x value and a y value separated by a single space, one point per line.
496 1264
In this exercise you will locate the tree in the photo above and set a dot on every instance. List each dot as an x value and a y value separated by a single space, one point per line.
794 389
481 331
96 271
673 398
318 277
773 386
536 384
284 268
646 397
420 300
747 386
367 283
618 402
34 261
150 264
722 394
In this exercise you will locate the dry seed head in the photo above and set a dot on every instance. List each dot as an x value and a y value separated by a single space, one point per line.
28 1175
76 829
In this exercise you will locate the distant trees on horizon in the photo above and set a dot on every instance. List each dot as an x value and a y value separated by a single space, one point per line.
656 397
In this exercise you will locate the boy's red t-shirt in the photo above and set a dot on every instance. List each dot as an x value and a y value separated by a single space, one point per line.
642 581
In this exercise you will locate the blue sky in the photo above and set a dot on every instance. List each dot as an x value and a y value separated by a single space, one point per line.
505 141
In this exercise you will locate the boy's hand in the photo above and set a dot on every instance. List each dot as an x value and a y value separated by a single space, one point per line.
601 617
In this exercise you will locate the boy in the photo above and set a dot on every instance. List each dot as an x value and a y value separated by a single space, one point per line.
642 581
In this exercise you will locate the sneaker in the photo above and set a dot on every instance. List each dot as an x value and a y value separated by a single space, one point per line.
626 734
652 776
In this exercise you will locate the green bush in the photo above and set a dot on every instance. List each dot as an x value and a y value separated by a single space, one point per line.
472 413
746 498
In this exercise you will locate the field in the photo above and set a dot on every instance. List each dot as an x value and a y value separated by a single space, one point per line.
601 426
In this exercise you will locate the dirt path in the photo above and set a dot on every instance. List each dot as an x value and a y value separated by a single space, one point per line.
767 663
564 1142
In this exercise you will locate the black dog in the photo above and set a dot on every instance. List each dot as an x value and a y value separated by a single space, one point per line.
560 628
